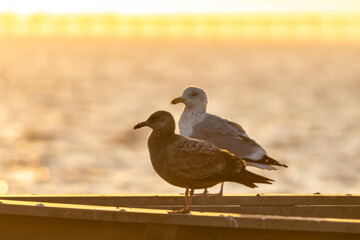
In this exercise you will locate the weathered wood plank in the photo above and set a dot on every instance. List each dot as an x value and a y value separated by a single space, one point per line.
151 216
165 200
320 211
16 227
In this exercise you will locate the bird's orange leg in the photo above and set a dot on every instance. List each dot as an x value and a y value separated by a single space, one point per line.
221 192
185 209
206 192
190 199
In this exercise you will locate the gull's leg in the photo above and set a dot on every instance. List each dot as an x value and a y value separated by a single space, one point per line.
186 202
206 192
186 199
221 189
190 200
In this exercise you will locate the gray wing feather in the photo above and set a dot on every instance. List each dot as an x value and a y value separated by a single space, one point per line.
227 135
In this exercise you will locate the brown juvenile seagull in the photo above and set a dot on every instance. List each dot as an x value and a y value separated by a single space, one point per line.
195 122
191 163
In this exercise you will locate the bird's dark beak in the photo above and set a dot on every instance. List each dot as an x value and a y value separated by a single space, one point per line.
177 100
140 125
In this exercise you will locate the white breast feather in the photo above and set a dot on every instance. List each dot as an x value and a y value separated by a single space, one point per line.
188 119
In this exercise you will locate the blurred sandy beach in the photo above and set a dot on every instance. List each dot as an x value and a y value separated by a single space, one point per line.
68 107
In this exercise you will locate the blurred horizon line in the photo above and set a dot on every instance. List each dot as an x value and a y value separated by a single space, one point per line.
240 13
179 6
328 27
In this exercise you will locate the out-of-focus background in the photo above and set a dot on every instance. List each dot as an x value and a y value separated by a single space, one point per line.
75 77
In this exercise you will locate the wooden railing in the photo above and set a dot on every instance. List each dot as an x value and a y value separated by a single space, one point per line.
149 217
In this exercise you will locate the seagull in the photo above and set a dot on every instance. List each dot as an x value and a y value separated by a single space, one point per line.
195 122
192 163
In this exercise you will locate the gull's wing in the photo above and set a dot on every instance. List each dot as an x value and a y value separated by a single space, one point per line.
196 159
198 163
227 135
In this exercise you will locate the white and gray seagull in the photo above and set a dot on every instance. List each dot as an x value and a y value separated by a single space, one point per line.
195 122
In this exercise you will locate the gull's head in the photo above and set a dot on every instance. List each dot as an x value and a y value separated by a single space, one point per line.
160 120
192 97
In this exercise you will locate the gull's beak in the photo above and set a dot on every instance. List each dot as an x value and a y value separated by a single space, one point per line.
140 125
177 100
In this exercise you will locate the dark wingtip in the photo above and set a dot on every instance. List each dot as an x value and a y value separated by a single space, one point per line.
268 161
250 179
282 165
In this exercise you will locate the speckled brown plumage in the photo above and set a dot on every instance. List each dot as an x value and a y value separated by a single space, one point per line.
192 163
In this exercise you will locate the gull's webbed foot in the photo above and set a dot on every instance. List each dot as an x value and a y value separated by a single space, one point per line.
180 211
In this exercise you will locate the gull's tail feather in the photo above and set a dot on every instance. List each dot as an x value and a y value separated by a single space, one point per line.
249 179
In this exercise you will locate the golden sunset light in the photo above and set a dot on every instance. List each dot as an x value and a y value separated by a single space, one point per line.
276 20
177 6
179 119
77 75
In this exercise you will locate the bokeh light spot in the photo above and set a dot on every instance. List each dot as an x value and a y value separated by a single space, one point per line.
4 187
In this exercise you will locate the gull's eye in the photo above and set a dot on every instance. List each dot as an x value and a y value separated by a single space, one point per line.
194 94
